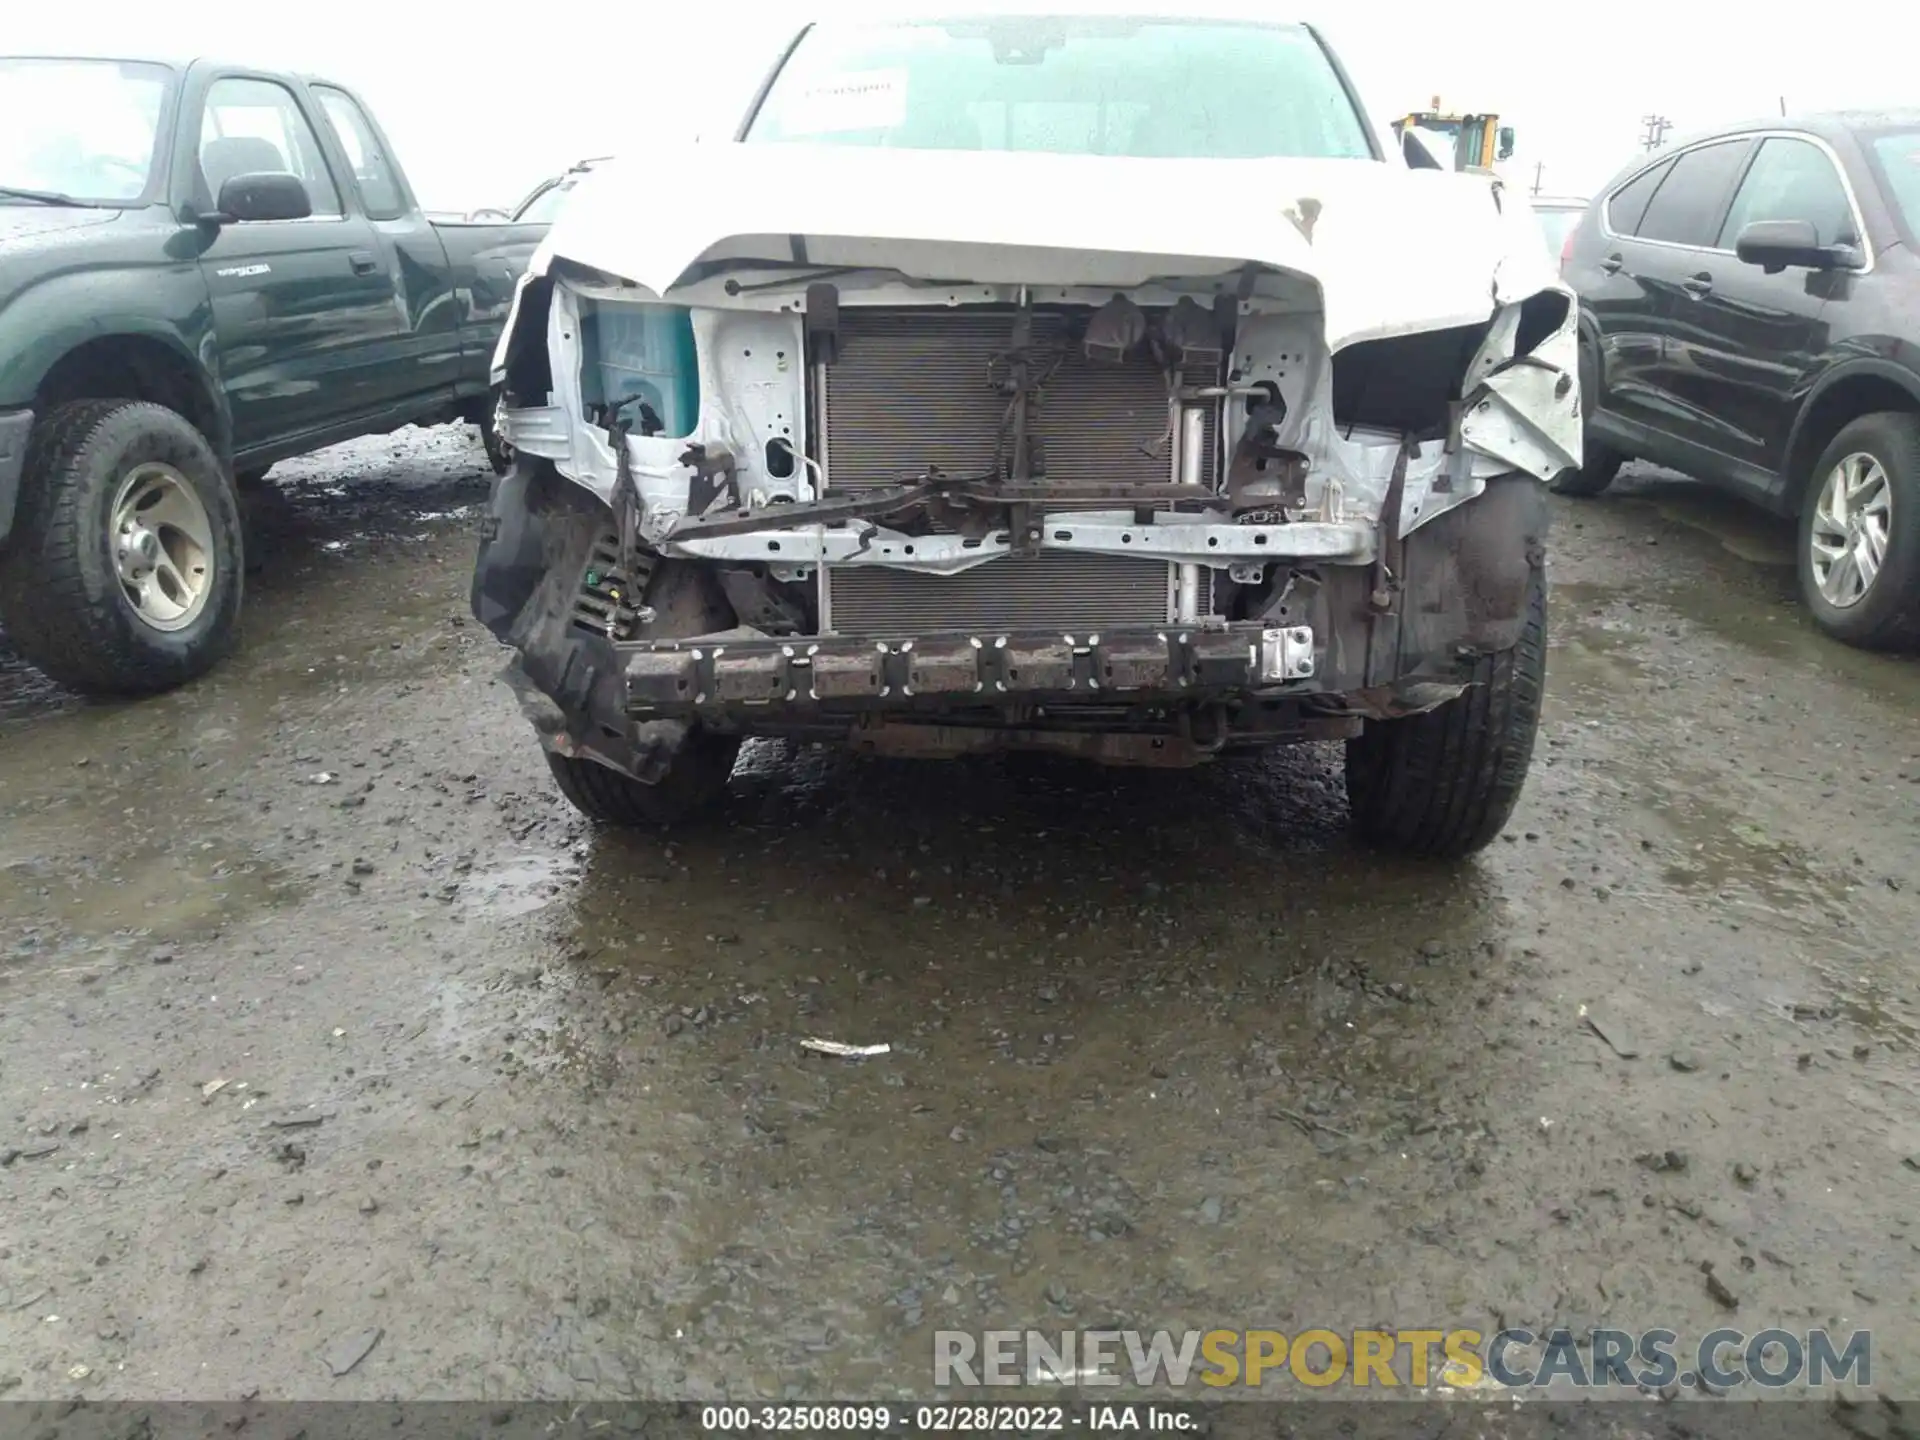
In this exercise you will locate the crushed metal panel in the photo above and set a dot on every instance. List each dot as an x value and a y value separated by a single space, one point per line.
1526 418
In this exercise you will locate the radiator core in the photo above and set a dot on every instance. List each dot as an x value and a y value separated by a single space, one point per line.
913 389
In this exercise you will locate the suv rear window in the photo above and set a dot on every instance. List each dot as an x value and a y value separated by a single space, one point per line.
1686 209
1629 202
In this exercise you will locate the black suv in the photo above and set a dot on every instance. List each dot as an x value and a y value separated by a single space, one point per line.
1750 314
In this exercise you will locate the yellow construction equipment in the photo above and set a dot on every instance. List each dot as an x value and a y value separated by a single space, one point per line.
1478 140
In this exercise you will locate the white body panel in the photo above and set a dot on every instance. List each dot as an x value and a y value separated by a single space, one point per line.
1325 254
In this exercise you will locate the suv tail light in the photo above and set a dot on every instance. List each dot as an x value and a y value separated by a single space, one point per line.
1566 248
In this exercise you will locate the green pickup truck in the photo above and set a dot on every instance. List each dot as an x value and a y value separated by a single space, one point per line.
204 269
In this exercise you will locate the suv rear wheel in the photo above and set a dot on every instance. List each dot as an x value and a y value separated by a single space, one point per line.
1859 551
1443 784
1599 463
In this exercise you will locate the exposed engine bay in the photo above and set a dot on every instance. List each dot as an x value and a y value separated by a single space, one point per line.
815 486
954 425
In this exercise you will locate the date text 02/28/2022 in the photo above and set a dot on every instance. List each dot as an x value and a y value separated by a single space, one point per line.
941 1419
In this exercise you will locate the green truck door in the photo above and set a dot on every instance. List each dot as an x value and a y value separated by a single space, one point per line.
420 362
301 308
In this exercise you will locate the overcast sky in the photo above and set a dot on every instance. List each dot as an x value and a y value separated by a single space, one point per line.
482 100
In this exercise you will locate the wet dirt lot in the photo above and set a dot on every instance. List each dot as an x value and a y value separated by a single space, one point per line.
330 1039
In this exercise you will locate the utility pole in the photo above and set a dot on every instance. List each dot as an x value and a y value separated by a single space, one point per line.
1653 131
1539 166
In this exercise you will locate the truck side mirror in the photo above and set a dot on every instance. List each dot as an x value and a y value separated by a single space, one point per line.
1506 143
268 195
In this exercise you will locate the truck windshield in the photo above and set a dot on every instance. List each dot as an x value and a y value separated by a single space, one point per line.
1896 156
79 131
1080 86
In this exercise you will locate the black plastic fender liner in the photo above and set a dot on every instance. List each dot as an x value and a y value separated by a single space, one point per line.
1462 592
534 548
1468 572
510 564
585 676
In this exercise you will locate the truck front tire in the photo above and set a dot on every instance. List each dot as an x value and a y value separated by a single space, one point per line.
123 575
1442 784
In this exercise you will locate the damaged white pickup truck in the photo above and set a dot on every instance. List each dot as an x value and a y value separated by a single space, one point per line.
1105 385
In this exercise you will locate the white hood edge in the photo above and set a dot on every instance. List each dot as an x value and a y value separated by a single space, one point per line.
1391 250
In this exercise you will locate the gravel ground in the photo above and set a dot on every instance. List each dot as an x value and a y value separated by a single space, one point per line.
332 1041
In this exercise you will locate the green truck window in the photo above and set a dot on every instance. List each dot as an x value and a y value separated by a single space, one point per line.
251 126
379 188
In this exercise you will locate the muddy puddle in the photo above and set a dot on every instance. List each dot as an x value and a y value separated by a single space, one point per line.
156 890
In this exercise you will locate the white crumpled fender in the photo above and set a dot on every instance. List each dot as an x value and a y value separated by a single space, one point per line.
1528 412
1391 250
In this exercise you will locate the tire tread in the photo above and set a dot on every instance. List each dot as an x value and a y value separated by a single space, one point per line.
1443 784
695 779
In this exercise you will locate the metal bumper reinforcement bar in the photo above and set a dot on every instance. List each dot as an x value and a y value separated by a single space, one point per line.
686 677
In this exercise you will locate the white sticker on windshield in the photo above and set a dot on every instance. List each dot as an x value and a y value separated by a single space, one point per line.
851 100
